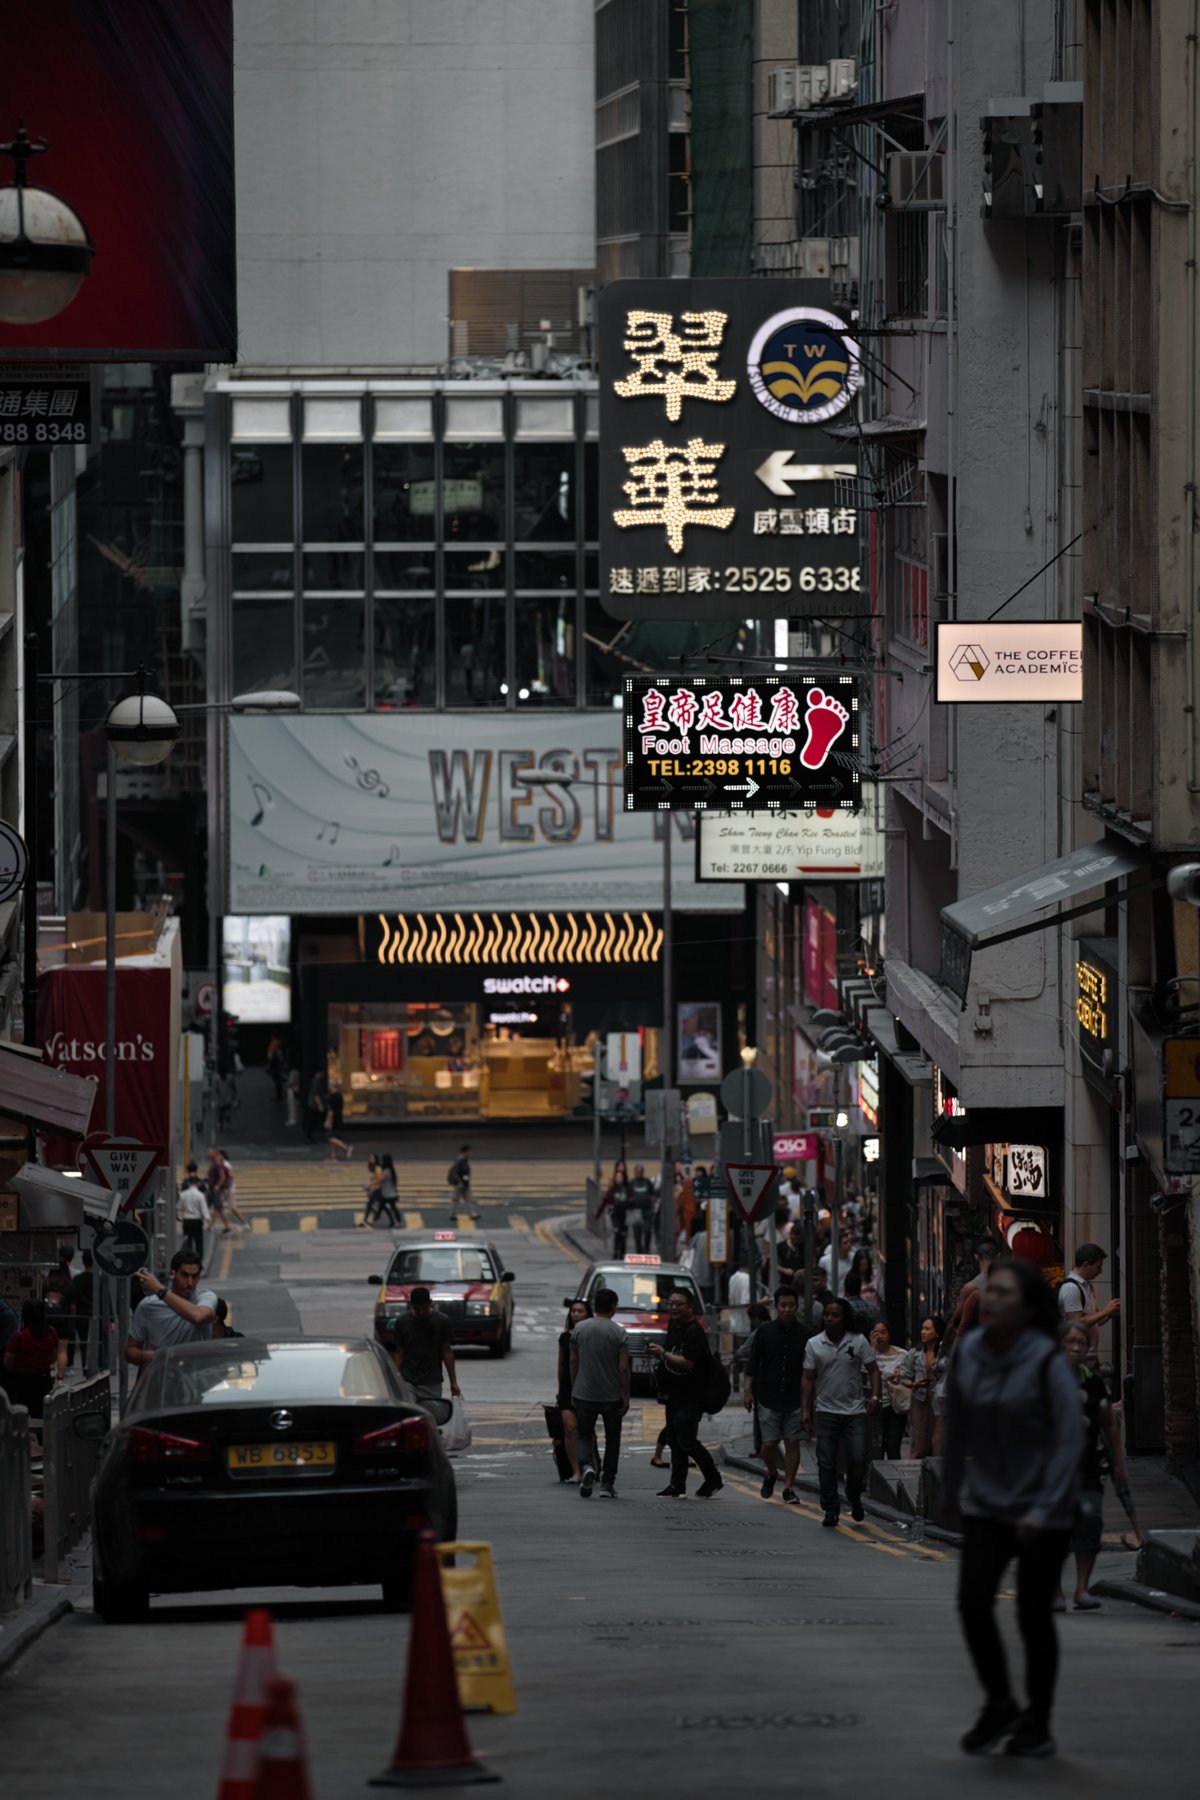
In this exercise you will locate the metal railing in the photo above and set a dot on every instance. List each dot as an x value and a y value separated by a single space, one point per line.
69 1463
16 1510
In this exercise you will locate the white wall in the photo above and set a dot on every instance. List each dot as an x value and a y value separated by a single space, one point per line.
381 143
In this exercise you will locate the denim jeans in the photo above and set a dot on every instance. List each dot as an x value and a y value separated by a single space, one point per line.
834 1430
586 1414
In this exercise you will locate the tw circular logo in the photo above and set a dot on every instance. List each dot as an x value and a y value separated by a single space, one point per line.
802 365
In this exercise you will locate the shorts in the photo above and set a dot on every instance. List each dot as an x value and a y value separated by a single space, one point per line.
779 1427
1088 1533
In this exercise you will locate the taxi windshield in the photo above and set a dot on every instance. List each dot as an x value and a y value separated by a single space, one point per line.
644 1290
441 1262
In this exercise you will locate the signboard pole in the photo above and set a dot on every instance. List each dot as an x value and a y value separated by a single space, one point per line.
114 1299
666 1198
810 1251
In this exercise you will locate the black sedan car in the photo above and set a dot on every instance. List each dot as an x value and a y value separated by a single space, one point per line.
255 1462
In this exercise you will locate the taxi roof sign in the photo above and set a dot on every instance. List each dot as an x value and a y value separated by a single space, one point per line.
642 1257
445 1237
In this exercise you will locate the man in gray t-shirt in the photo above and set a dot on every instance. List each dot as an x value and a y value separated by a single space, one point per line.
835 1361
179 1314
600 1373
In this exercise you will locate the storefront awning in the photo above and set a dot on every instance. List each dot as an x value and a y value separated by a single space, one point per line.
1008 910
51 1200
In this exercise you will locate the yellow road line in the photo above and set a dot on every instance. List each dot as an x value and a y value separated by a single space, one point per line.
546 1234
413 1221
517 1223
308 1222
260 1227
226 1258
853 1532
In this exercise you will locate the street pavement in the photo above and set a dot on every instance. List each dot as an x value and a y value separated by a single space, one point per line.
658 1648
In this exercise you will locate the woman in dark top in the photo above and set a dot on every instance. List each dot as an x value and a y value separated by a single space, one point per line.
577 1312
31 1358
1102 1446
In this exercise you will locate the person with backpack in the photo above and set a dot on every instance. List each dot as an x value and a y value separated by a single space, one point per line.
1078 1301
1014 1444
690 1380
835 1360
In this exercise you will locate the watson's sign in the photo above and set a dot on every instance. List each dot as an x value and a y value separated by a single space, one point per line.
1009 664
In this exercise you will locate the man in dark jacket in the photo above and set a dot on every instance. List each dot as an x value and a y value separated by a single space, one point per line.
684 1363
773 1384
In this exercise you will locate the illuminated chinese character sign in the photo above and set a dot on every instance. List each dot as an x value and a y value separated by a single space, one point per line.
741 743
719 481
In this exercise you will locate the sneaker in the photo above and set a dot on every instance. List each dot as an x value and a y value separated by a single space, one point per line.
709 1489
830 1520
587 1484
857 1513
791 1497
670 1493
768 1486
996 1721
1087 1603
607 1491
1031 1738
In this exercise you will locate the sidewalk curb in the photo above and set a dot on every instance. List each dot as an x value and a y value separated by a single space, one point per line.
20 1630
1153 1599
888 1514
576 1233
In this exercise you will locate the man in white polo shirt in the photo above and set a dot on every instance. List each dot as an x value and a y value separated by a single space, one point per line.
834 1361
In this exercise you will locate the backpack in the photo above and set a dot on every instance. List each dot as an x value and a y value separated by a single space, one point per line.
452 1175
717 1386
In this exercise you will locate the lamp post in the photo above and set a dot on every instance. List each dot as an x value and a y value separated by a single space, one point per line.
45 251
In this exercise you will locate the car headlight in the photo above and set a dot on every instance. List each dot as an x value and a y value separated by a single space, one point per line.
481 1308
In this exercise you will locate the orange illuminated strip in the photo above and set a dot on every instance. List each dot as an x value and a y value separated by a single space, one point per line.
520 938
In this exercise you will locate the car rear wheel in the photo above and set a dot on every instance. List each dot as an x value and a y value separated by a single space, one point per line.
119 1603
504 1346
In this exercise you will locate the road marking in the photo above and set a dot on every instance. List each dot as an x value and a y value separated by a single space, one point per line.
308 1222
517 1223
546 1233
414 1221
807 1510
260 1227
226 1258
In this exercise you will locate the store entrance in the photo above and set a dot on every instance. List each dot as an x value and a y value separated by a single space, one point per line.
514 1058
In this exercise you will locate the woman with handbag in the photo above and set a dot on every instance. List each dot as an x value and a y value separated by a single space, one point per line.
896 1397
924 1373
566 1437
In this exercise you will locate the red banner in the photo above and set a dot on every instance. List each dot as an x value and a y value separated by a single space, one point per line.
71 1022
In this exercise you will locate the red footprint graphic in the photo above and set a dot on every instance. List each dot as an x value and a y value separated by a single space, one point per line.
826 721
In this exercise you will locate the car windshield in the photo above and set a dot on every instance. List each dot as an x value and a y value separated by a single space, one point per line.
644 1290
441 1262
248 1372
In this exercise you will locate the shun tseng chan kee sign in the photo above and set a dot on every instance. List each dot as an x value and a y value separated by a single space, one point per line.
738 744
722 493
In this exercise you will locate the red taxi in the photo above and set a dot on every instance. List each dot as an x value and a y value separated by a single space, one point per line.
466 1280
643 1284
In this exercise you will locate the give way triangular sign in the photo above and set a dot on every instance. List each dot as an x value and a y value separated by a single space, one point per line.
124 1165
750 1186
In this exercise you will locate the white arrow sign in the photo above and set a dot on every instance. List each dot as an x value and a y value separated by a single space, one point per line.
779 471
748 787
750 1186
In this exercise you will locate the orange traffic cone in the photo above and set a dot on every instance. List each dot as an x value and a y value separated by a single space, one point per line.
433 1748
282 1765
256 1667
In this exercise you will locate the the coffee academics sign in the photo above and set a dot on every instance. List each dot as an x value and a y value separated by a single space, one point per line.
737 743
719 493
1009 664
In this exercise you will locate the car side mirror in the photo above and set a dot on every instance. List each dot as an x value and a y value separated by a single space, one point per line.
507 1275
374 1280
91 1425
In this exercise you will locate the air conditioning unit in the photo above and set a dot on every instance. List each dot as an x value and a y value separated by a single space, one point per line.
812 85
843 255
917 180
843 77
781 92
814 258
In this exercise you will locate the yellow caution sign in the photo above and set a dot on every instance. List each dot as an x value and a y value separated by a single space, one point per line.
476 1628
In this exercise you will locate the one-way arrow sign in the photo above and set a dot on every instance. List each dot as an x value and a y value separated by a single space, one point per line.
750 1185
779 471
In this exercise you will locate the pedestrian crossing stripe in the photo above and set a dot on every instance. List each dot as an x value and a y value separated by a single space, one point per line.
517 1223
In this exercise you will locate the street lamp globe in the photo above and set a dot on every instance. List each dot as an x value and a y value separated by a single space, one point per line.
142 730
45 251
